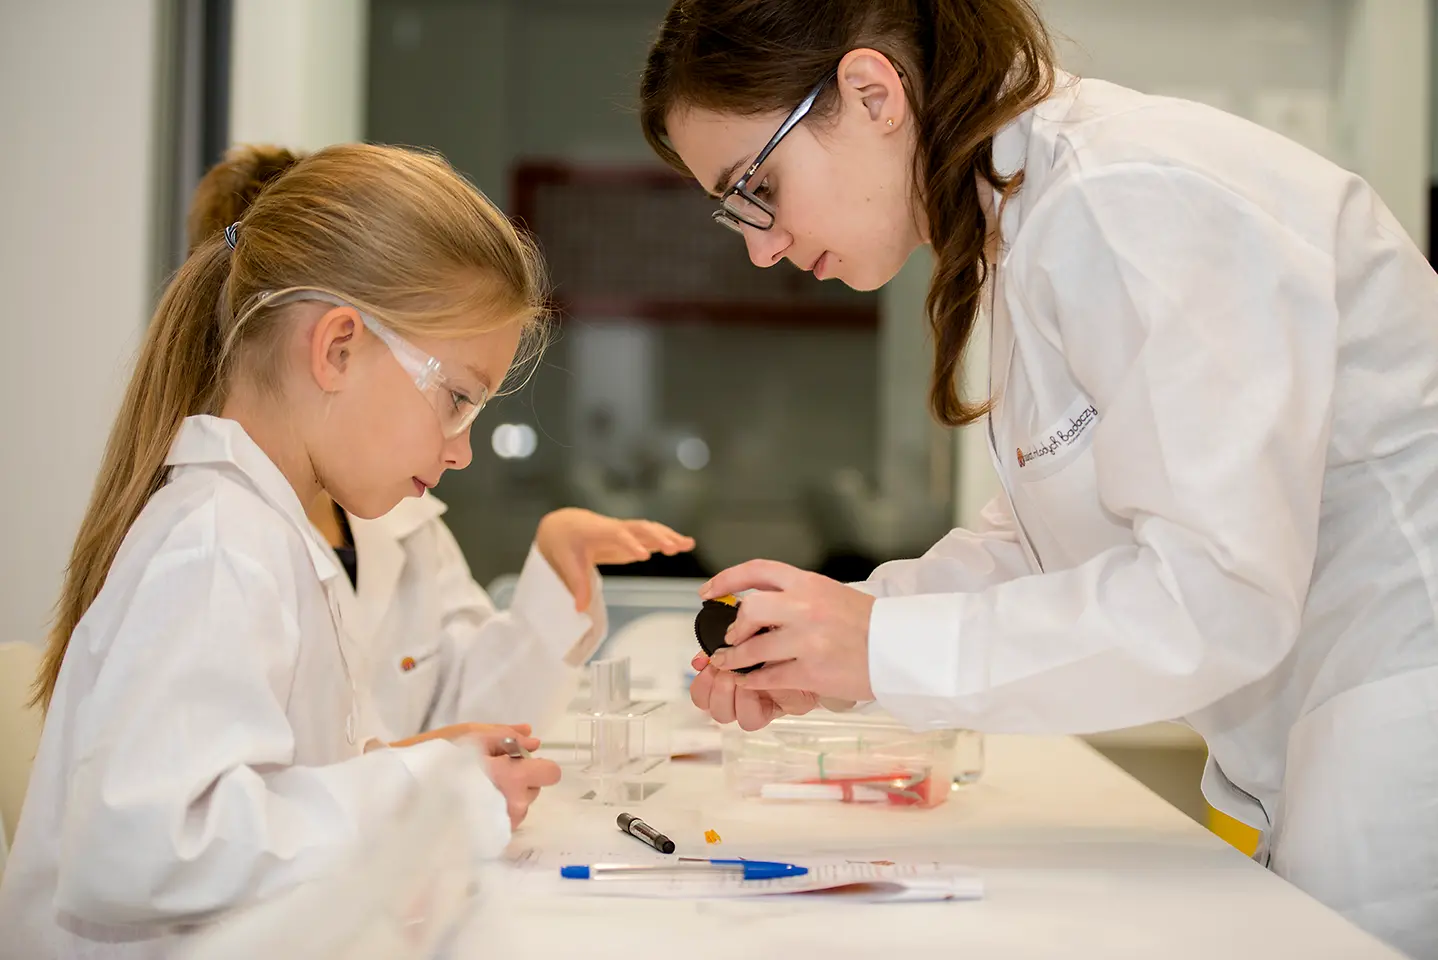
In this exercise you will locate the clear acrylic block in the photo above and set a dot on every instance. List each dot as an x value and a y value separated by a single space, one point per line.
621 744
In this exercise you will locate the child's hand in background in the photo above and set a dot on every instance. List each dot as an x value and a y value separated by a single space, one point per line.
576 541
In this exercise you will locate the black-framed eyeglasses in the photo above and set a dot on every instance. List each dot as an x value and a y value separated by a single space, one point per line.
739 207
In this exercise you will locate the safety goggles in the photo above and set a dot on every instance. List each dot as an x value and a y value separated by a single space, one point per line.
455 403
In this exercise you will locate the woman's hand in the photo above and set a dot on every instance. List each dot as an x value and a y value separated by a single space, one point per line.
717 693
815 635
576 541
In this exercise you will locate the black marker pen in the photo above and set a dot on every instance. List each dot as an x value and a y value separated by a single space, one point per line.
640 830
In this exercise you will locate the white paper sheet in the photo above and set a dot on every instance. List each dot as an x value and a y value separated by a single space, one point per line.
869 881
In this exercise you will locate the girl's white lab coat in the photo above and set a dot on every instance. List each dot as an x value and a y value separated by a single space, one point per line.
442 653
207 741
1215 357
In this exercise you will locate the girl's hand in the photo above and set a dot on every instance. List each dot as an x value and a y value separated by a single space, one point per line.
576 541
519 781
462 731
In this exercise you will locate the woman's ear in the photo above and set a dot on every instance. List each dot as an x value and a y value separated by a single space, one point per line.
872 88
332 348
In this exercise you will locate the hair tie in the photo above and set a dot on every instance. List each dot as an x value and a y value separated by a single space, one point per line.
232 234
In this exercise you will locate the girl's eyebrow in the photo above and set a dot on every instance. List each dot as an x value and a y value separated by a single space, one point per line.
483 380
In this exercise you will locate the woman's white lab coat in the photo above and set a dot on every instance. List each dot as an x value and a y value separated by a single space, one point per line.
1215 357
442 653
210 740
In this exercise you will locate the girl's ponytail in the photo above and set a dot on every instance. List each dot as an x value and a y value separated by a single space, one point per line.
177 375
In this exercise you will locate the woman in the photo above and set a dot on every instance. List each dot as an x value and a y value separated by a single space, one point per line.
1213 407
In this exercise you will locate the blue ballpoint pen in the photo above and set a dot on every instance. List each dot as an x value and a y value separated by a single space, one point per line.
746 869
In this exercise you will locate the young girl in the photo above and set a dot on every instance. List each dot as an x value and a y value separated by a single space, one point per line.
1213 407
441 652
210 738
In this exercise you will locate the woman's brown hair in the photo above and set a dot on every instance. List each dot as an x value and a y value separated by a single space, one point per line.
969 68
396 232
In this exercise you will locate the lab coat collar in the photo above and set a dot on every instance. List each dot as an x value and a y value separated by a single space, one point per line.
212 441
1017 149
379 543
408 515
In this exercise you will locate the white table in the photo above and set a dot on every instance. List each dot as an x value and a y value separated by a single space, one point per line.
1079 860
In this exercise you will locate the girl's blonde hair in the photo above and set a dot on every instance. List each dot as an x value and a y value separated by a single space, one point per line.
395 231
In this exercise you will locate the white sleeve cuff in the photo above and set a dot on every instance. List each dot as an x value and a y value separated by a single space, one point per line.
544 603
917 663
485 806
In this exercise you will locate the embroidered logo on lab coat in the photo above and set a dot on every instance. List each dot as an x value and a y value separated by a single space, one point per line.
1061 437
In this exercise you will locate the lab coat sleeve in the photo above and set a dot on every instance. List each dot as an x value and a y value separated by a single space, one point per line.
964 561
185 798
518 665
1204 331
